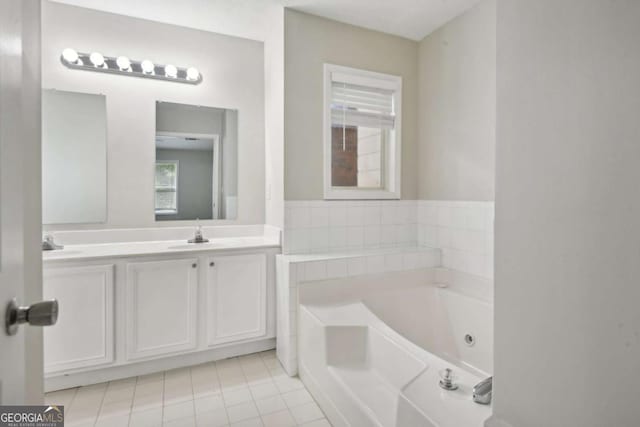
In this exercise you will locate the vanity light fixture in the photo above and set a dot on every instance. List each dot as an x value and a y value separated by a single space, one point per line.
95 61
171 71
193 74
71 56
123 63
148 67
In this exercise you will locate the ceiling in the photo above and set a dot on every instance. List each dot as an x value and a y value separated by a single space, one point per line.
168 142
412 19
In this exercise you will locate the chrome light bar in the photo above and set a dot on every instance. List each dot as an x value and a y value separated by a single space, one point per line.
95 61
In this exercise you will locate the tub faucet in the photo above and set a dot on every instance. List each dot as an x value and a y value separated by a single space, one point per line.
482 391
198 237
48 244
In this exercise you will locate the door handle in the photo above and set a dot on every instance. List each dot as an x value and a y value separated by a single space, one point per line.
43 313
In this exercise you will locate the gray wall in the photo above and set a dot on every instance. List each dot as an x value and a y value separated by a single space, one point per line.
195 183
233 71
181 118
311 41
457 119
567 338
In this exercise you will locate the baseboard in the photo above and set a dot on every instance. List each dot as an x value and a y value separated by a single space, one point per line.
111 373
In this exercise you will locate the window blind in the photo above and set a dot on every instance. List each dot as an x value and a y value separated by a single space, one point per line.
357 105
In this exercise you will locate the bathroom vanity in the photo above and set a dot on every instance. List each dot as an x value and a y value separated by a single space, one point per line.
130 308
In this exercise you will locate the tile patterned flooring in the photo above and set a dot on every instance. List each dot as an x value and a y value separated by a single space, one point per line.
245 391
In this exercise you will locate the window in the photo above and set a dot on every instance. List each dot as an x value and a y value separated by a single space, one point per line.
362 126
167 187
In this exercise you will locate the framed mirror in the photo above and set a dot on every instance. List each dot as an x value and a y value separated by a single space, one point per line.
196 162
74 157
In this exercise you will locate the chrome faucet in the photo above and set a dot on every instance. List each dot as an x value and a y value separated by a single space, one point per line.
447 380
482 391
198 237
49 245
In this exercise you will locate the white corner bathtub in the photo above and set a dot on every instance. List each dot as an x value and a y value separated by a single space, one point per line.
371 349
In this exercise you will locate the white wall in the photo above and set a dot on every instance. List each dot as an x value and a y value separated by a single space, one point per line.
567 343
457 69
274 116
311 41
233 78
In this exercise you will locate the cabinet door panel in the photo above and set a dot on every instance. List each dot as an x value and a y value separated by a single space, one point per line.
161 307
83 335
236 298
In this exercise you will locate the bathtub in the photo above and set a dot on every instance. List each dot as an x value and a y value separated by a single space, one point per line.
370 350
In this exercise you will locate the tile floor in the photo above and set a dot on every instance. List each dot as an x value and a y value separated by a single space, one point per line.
246 391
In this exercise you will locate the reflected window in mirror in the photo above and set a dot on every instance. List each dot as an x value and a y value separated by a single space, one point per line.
167 187
196 162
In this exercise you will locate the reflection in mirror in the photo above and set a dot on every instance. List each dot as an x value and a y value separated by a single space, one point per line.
74 157
196 162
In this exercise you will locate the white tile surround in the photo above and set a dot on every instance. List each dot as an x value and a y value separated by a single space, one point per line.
320 226
462 230
334 239
292 270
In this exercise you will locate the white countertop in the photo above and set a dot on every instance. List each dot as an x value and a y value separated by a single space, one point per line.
128 249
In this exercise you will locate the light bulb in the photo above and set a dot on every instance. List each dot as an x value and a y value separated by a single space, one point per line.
123 63
147 66
70 55
171 71
192 73
96 59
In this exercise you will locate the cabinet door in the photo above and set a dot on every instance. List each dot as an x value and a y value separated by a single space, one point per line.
161 307
236 298
83 335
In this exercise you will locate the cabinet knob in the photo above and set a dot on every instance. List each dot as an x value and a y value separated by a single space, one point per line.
212 264
194 265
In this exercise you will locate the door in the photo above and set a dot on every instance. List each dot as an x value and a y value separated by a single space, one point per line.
83 335
236 298
20 196
161 307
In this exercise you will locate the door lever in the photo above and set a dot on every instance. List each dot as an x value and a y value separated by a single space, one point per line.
43 313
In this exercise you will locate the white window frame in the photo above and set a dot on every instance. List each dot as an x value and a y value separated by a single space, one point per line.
393 162
155 188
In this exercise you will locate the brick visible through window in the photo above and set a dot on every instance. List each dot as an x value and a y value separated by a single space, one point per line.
344 156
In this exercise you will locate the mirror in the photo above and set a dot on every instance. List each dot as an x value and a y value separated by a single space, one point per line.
196 162
74 157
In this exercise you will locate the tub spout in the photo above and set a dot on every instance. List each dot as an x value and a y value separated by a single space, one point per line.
482 391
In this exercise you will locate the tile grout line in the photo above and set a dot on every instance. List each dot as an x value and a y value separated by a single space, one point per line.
224 405
104 394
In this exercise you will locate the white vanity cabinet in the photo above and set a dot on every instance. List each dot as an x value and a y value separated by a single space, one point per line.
161 311
83 336
131 315
236 298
